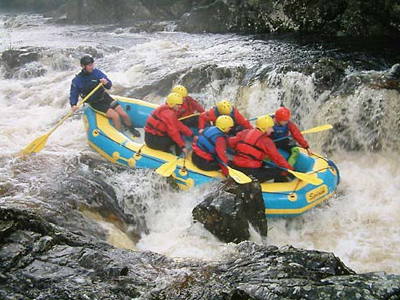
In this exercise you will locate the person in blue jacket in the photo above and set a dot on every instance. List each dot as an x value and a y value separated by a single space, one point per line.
100 101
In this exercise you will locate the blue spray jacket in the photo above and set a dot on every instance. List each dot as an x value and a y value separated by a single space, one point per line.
84 82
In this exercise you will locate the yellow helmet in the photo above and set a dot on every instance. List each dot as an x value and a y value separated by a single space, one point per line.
174 99
224 107
224 123
180 89
264 122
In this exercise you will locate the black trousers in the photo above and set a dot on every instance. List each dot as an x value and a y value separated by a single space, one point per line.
286 144
103 104
203 164
191 122
163 143
263 173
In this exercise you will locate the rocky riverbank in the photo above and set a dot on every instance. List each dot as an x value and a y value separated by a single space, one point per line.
40 260
336 18
49 250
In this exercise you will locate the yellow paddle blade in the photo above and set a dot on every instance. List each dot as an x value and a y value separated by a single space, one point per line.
238 176
40 142
307 177
36 145
318 129
167 168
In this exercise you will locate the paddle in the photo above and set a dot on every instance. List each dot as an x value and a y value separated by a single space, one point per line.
302 176
189 116
318 129
236 175
38 144
168 168
311 130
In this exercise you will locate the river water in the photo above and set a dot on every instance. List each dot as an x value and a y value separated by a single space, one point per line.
361 224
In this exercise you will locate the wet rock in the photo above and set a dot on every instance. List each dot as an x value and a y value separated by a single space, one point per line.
394 72
152 26
41 261
340 17
227 212
79 196
28 5
22 63
119 11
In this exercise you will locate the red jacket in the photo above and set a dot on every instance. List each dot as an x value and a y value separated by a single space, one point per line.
189 107
210 116
297 136
220 151
252 146
163 121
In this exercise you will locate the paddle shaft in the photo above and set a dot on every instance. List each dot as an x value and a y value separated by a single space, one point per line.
311 130
79 104
38 144
189 116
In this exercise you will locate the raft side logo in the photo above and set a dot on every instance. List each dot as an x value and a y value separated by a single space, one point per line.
317 193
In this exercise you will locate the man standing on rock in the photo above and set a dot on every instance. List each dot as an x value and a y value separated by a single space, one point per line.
100 101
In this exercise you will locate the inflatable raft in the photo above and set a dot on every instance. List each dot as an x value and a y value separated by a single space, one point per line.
281 199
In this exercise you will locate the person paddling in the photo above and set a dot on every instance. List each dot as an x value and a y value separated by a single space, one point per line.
209 150
289 134
252 146
163 129
188 108
224 108
100 101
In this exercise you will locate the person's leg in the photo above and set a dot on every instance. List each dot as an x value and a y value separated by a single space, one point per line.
114 116
124 115
263 174
105 106
286 144
156 142
203 164
127 120
191 122
295 151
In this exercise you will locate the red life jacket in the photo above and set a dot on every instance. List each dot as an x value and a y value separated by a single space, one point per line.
248 145
155 123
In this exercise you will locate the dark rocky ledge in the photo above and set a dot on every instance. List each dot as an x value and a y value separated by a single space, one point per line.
39 260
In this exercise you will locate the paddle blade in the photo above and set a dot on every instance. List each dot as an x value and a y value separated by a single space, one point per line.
36 145
307 177
238 176
318 129
167 168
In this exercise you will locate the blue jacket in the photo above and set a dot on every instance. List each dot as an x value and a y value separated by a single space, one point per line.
280 131
207 140
84 82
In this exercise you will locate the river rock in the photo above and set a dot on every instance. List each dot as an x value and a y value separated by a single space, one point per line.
227 211
104 12
14 58
39 260
339 17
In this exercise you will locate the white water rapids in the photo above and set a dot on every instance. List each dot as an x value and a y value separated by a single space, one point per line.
361 225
